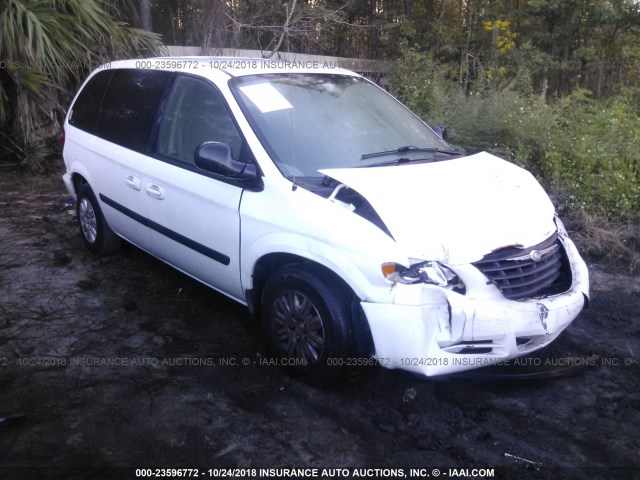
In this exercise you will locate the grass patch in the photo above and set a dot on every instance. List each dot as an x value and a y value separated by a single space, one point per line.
616 244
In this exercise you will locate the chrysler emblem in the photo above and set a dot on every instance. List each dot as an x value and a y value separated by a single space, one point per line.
535 255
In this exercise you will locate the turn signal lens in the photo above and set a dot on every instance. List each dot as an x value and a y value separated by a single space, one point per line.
389 268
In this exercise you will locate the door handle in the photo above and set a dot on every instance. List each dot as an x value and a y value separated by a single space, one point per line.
132 181
155 191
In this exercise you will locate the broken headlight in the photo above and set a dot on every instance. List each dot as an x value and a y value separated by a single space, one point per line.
433 273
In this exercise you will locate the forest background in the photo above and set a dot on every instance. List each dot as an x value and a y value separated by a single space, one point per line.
552 85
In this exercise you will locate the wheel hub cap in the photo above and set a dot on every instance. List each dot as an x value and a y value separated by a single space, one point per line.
298 327
88 222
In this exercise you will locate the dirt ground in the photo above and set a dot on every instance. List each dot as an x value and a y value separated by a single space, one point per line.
113 364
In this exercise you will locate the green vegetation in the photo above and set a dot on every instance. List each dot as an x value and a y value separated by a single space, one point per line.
46 48
584 150
553 85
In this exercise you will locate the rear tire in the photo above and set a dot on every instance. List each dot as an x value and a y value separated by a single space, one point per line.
307 324
94 230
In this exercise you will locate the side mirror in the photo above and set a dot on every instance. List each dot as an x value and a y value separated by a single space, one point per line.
215 157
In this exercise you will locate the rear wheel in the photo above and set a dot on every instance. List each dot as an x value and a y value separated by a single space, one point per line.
94 230
307 323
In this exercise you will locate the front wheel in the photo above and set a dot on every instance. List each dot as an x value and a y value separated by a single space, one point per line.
307 323
94 230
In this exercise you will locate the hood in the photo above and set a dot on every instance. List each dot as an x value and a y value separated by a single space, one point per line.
455 211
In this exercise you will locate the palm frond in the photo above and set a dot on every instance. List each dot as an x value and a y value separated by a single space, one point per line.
48 45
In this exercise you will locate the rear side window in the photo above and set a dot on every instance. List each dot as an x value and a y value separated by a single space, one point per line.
129 107
84 114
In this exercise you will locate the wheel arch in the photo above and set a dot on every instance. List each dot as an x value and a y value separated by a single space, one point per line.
266 265
77 181
79 175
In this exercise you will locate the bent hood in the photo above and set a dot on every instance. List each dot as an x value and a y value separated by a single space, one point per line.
455 211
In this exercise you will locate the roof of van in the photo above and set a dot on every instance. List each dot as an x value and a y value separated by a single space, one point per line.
233 66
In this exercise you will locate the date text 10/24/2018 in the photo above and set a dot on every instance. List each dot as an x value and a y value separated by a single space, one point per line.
327 473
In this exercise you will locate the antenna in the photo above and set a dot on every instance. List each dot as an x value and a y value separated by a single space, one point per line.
288 14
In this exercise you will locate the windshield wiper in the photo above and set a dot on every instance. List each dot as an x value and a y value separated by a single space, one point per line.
409 148
396 161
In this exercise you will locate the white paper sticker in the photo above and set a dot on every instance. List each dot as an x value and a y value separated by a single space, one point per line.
266 97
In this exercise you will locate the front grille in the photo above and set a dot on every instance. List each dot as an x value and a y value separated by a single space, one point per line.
530 272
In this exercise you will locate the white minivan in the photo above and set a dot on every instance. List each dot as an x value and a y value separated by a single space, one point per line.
351 230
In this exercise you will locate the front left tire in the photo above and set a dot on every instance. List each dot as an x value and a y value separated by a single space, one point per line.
307 324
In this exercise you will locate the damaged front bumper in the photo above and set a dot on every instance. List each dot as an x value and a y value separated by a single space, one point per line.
434 331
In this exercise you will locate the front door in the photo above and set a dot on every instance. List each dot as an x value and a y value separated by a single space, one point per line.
193 216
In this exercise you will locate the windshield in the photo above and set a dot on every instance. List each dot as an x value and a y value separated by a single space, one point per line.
308 122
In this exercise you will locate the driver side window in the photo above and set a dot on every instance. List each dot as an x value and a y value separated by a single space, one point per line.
195 114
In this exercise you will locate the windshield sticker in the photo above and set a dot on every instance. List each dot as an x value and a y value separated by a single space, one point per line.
266 97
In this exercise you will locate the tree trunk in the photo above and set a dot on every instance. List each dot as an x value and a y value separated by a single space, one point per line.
544 84
145 15
443 6
467 78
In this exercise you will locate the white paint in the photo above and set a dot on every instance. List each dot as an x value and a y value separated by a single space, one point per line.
458 210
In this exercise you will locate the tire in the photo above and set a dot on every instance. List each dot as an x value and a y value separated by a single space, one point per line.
307 324
94 230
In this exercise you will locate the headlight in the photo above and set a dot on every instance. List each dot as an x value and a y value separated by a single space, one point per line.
433 273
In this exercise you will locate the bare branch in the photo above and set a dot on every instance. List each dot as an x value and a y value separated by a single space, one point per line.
285 29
